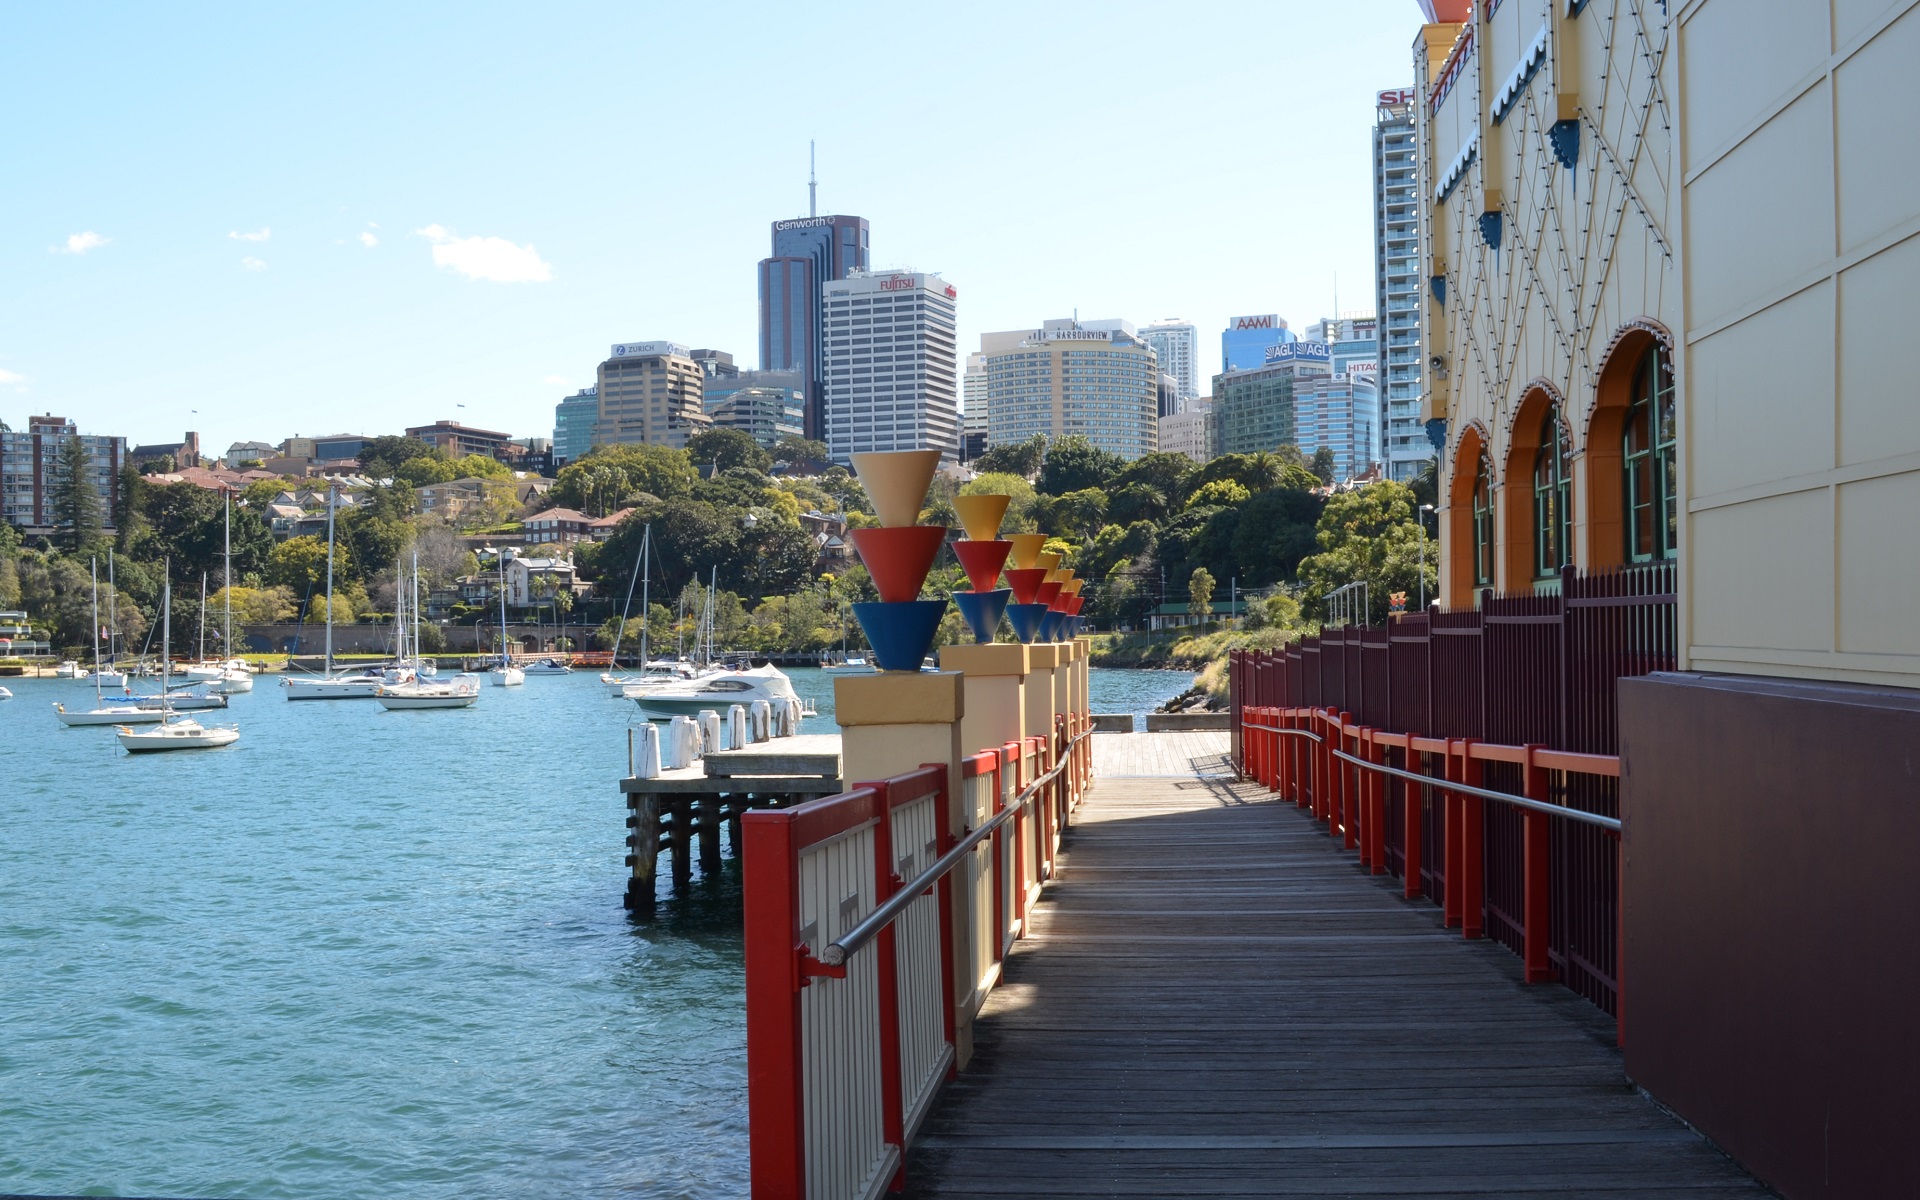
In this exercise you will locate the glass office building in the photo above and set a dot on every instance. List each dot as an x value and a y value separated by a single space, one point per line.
808 252
1245 341
1253 411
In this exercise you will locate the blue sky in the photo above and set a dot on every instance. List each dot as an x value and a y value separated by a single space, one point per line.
329 218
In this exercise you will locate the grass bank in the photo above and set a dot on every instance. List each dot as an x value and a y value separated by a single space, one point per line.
1202 650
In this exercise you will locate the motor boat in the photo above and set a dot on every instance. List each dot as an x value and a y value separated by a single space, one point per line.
107 714
661 673
67 669
348 685
5 694
716 691
852 663
459 692
547 666
505 674
106 677
183 734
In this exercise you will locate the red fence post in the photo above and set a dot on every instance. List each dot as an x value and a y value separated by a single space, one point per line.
1536 931
887 976
1473 846
776 1154
1349 802
1453 860
1374 824
1412 816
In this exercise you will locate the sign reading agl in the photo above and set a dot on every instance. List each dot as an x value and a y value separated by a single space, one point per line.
1299 352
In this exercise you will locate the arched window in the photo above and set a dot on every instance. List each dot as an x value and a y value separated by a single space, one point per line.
1482 523
1552 497
1648 453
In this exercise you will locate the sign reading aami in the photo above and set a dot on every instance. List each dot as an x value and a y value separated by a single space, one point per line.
1262 321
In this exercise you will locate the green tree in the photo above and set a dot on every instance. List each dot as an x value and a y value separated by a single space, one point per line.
1020 494
382 456
187 524
610 477
844 487
300 565
1218 492
727 449
1323 464
1017 458
1275 530
1255 472
792 449
255 606
9 583
1165 473
1368 534
426 469
1074 463
1200 595
76 500
1081 513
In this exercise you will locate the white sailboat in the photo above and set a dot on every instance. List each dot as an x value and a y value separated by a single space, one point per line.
459 692
109 675
506 674
102 713
349 685
182 733
618 686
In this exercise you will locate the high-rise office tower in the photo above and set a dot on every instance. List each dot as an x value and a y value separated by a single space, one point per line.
1177 342
1245 341
1254 410
973 408
651 392
32 466
891 364
573 421
1404 449
808 253
1095 379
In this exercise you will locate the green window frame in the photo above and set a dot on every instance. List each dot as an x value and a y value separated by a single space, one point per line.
1649 460
1482 523
1552 497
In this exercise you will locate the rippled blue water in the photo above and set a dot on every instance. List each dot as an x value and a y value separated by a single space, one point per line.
363 954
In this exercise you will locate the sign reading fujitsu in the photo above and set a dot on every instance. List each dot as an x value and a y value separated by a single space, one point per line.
1263 321
898 283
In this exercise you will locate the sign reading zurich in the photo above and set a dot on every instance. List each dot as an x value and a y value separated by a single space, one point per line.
1299 352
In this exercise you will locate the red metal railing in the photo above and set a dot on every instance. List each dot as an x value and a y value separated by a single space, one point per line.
871 932
1527 685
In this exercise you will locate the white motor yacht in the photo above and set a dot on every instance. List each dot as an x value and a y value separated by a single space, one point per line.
348 685
554 665
67 669
5 694
716 691
106 677
183 734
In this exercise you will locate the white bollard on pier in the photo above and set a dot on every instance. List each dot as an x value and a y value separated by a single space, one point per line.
736 726
709 730
646 751
684 737
760 721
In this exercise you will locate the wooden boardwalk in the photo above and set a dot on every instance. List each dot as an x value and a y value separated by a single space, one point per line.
1216 1002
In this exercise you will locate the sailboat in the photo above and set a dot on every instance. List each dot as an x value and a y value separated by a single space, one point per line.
350 685
183 733
617 685
102 713
506 674
459 692
109 675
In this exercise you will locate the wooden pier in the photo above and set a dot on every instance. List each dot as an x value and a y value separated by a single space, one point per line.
1214 1000
684 810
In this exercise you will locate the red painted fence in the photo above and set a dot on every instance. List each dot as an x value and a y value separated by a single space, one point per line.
1516 696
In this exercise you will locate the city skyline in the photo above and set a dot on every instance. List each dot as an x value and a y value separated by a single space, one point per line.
383 237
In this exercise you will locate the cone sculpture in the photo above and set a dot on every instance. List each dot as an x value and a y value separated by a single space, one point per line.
1026 584
1025 619
982 560
982 611
982 554
900 627
980 516
1026 550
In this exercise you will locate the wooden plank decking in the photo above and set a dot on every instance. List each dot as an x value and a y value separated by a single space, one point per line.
1216 1002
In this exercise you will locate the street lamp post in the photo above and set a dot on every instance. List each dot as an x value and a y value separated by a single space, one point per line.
1424 508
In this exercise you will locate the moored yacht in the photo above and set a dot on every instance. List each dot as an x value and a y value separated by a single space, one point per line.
716 691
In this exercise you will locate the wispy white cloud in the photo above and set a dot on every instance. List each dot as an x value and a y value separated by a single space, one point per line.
491 258
261 236
80 243
12 379
253 264
368 240
556 380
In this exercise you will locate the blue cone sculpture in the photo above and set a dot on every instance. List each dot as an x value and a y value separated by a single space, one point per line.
900 633
1025 619
982 611
1050 625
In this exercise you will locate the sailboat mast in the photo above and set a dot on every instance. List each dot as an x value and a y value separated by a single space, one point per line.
416 603
505 661
113 610
166 636
226 580
96 633
201 649
646 579
329 669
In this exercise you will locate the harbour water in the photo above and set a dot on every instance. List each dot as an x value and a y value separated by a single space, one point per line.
363 954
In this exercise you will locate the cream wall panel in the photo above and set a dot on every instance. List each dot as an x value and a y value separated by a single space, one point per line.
1739 64
1763 215
1880 604
1879 394
1851 18
1879 139
1761 396
1761 574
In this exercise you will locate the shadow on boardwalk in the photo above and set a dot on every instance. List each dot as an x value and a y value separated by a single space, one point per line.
1214 1001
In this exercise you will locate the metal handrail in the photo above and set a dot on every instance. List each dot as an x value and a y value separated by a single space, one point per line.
836 953
1466 789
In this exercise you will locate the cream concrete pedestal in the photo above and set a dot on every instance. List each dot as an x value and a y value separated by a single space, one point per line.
899 721
995 687
1037 719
